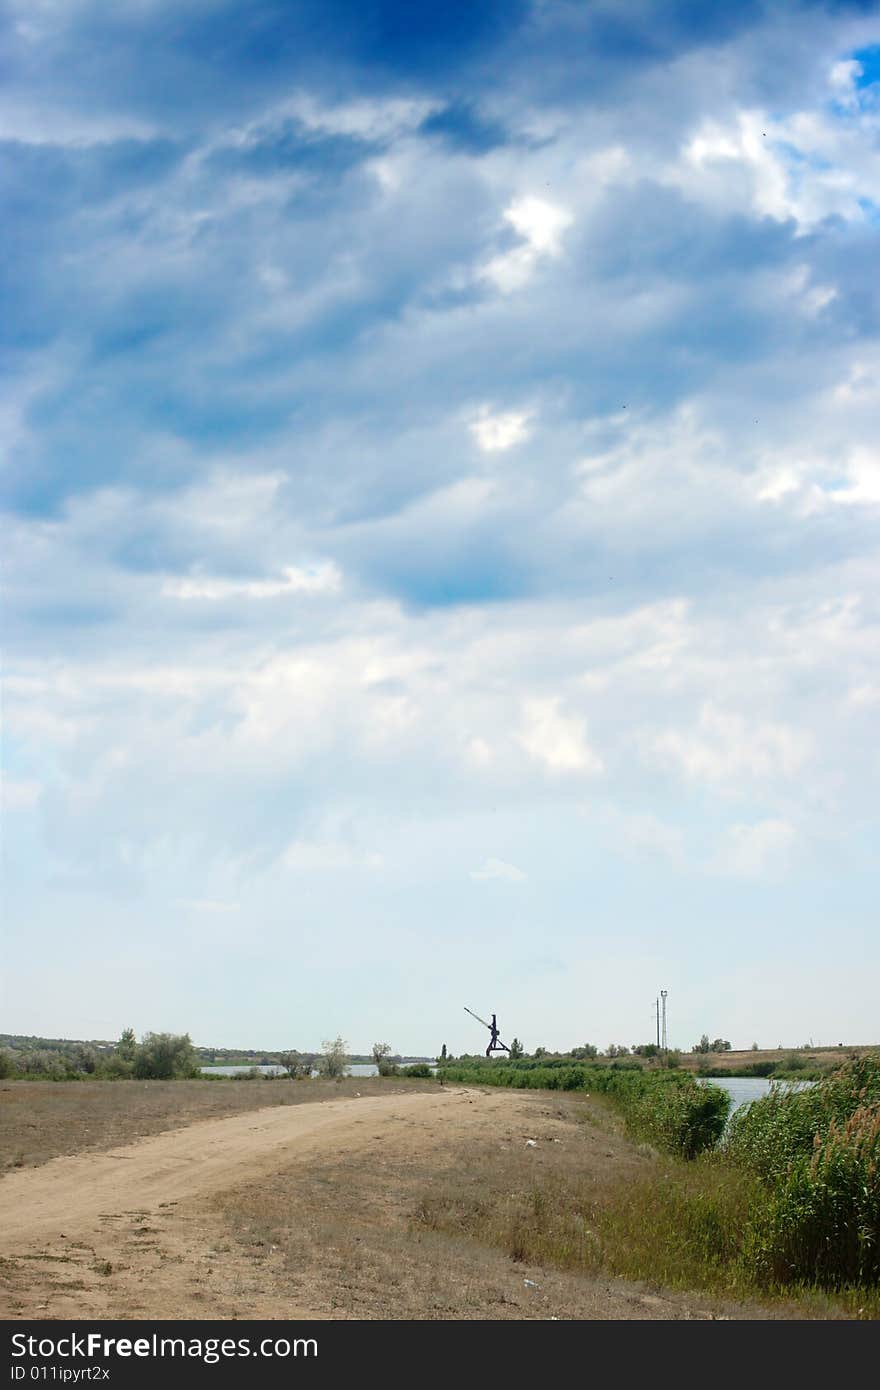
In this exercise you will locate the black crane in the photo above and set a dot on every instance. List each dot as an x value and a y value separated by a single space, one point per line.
495 1043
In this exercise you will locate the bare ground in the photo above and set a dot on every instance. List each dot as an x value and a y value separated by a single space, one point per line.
41 1119
313 1210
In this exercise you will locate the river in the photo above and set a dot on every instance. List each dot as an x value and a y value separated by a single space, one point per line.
355 1069
744 1089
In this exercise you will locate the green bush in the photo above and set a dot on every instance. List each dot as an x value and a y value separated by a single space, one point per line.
165 1057
116 1068
418 1069
334 1057
823 1223
817 1150
7 1065
47 1065
680 1116
773 1133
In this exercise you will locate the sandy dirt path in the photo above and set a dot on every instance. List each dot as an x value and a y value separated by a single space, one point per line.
134 1232
68 1197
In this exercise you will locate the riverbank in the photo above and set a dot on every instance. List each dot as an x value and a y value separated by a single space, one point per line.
784 1199
364 1207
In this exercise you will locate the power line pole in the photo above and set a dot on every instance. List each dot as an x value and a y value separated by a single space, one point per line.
663 994
657 1013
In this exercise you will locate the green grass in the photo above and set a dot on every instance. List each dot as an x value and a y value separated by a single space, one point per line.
817 1155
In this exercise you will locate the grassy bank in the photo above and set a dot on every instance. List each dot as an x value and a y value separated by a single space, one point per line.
665 1108
787 1205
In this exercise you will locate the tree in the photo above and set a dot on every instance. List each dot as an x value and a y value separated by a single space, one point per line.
582 1053
516 1050
755 1047
646 1050
539 1052
165 1057
382 1059
335 1057
443 1055
702 1045
298 1065
125 1048
616 1050
720 1045
85 1058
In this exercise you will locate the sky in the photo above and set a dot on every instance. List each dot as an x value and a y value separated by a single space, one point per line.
440 520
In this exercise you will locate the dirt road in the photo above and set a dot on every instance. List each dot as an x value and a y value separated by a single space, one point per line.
72 1195
297 1211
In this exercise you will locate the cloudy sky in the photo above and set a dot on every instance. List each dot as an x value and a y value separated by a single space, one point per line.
441 498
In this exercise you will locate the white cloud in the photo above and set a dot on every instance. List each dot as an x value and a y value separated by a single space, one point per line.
842 80
727 747
211 906
18 795
479 753
805 167
322 578
540 225
753 851
304 856
557 740
498 868
381 119
863 472
810 298
496 433
638 833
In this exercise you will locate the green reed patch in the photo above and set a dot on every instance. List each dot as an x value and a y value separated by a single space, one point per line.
817 1154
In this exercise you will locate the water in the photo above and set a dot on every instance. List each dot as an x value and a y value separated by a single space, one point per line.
356 1069
744 1089
242 1071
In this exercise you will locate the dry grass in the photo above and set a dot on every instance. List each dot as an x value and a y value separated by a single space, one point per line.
474 1228
40 1120
814 1059
672 1224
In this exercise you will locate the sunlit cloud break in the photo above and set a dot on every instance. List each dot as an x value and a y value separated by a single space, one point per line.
324 578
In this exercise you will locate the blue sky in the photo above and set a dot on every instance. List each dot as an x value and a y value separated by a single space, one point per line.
441 493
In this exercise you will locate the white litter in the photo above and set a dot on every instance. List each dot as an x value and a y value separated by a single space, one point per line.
530 1283
531 1143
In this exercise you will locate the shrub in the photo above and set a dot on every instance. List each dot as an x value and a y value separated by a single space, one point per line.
382 1059
7 1065
335 1057
164 1057
85 1059
297 1064
417 1069
47 1065
817 1150
824 1221
681 1116
116 1068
